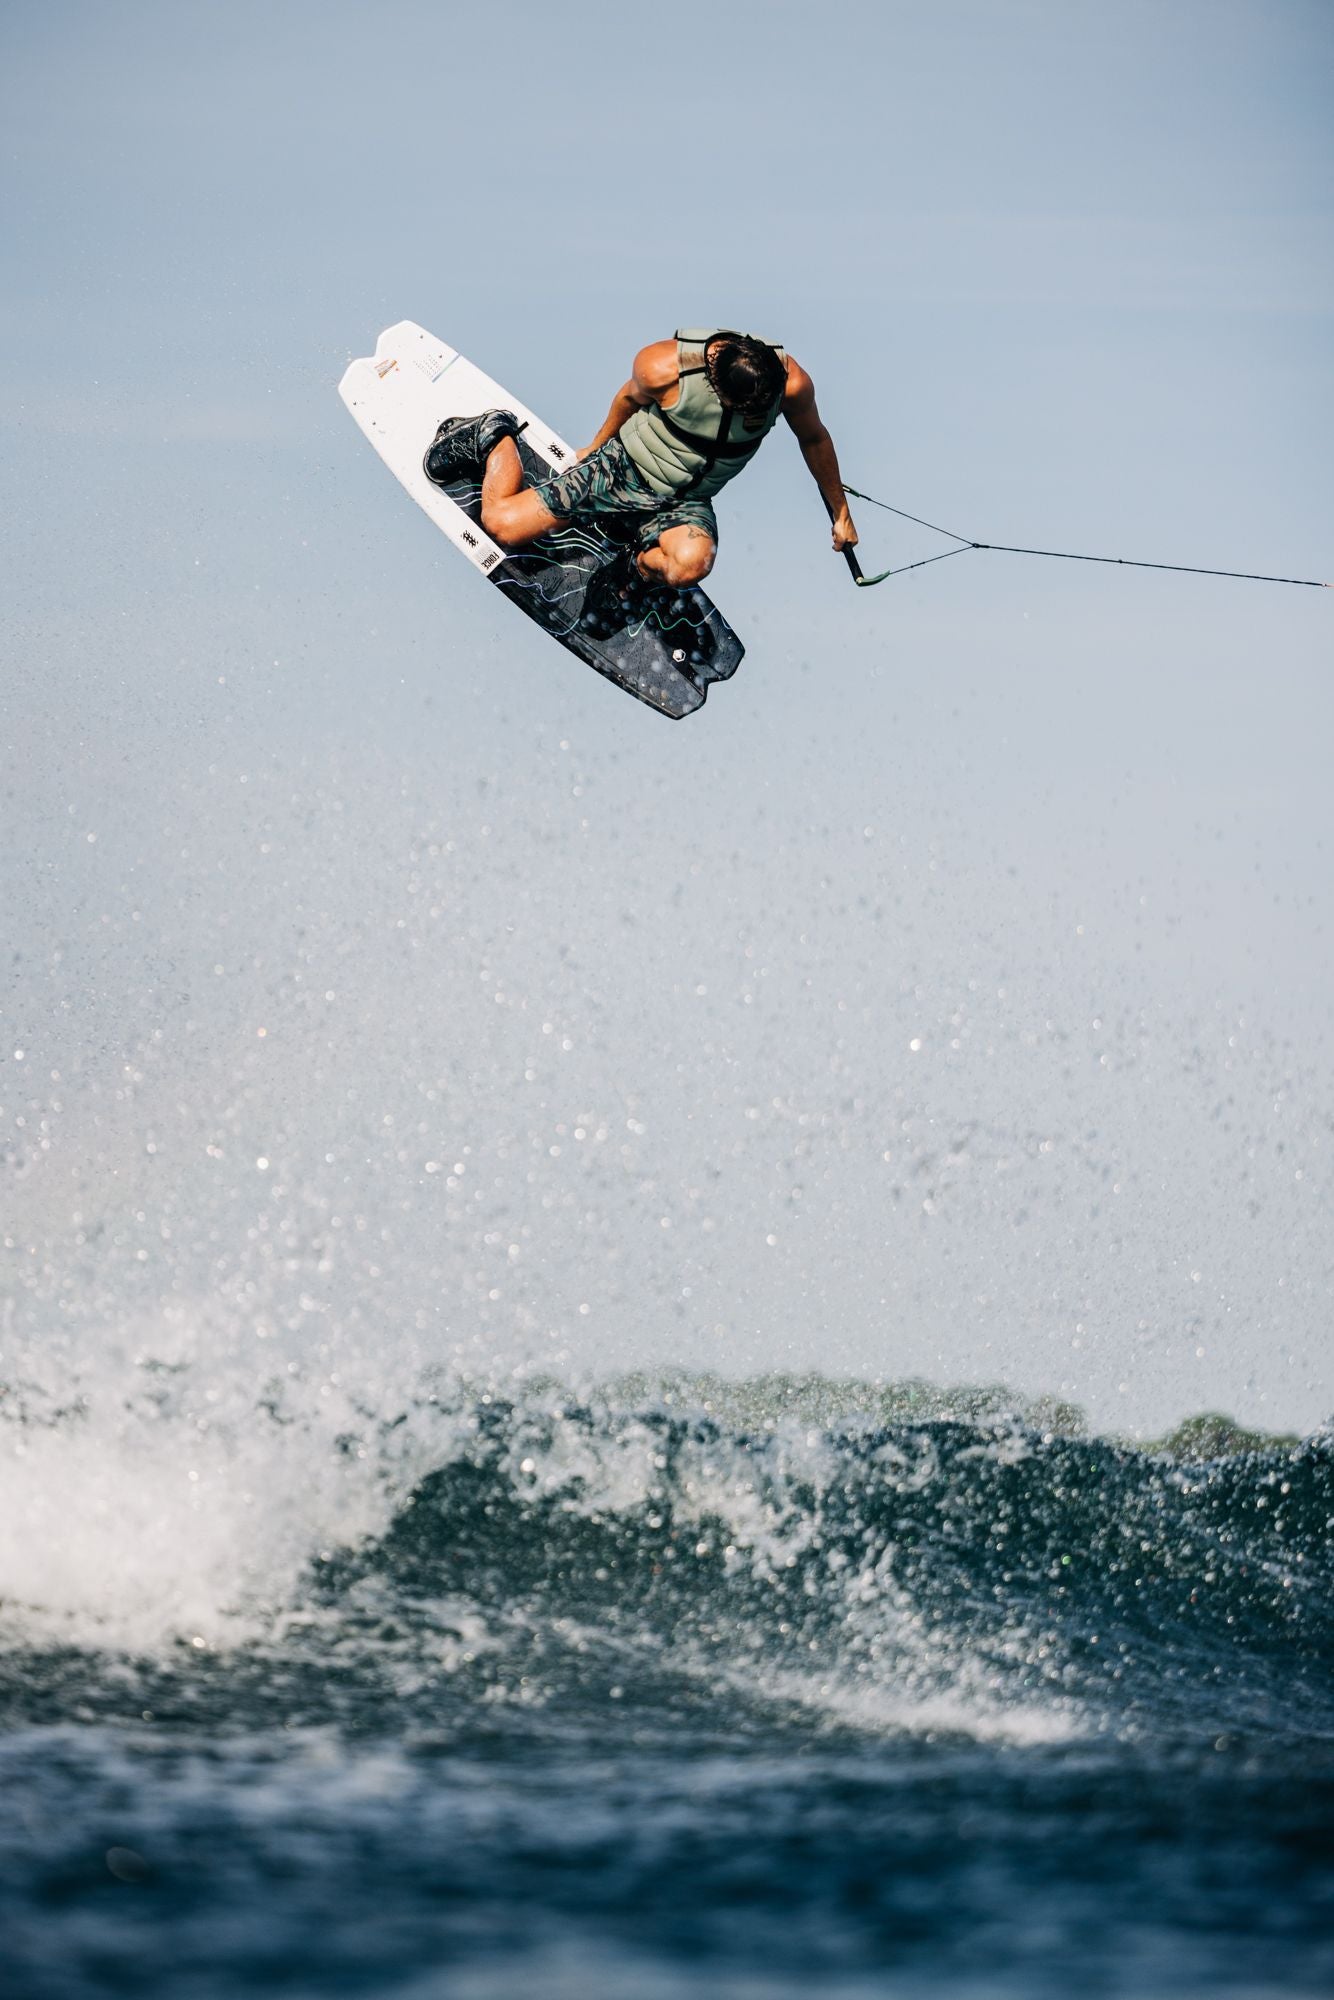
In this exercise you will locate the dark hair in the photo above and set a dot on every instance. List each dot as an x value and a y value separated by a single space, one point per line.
745 374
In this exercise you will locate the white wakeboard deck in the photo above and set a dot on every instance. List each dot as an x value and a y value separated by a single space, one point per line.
666 656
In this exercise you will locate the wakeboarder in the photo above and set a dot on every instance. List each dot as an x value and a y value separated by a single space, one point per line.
692 414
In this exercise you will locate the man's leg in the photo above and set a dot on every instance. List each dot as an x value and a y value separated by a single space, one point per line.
680 555
511 511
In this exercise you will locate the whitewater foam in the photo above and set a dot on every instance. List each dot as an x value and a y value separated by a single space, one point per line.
153 1494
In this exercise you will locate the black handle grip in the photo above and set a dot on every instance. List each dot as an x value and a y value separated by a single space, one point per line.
850 558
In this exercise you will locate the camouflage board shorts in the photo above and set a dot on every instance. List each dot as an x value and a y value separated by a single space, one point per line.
609 482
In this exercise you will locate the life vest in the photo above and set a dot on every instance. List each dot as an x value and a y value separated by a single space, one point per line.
699 444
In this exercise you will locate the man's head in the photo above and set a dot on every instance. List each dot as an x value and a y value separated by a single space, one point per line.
746 375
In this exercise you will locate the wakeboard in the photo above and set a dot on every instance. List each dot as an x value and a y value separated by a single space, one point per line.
667 650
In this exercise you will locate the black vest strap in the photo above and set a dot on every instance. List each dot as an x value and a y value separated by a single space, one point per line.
709 448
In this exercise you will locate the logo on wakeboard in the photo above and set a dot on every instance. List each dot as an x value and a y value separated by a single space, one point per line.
382 368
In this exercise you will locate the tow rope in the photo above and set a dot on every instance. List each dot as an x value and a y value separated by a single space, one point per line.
965 543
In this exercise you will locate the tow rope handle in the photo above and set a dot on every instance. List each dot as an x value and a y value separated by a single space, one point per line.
849 555
855 570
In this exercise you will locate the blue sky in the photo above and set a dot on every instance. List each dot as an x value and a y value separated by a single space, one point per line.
1062 275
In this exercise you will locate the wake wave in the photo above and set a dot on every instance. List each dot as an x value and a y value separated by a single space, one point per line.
538 1547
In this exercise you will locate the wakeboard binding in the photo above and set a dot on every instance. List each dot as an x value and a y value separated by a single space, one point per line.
462 445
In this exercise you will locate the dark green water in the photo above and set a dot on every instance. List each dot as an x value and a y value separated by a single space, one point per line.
629 1701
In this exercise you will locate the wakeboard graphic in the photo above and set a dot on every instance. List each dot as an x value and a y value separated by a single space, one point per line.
666 648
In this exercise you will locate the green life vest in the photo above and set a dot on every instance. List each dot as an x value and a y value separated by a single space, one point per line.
699 444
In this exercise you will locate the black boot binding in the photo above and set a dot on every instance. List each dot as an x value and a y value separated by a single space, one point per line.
462 445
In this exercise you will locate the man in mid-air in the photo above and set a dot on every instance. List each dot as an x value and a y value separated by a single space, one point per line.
694 412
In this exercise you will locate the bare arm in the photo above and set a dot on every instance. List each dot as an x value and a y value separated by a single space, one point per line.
817 448
654 372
